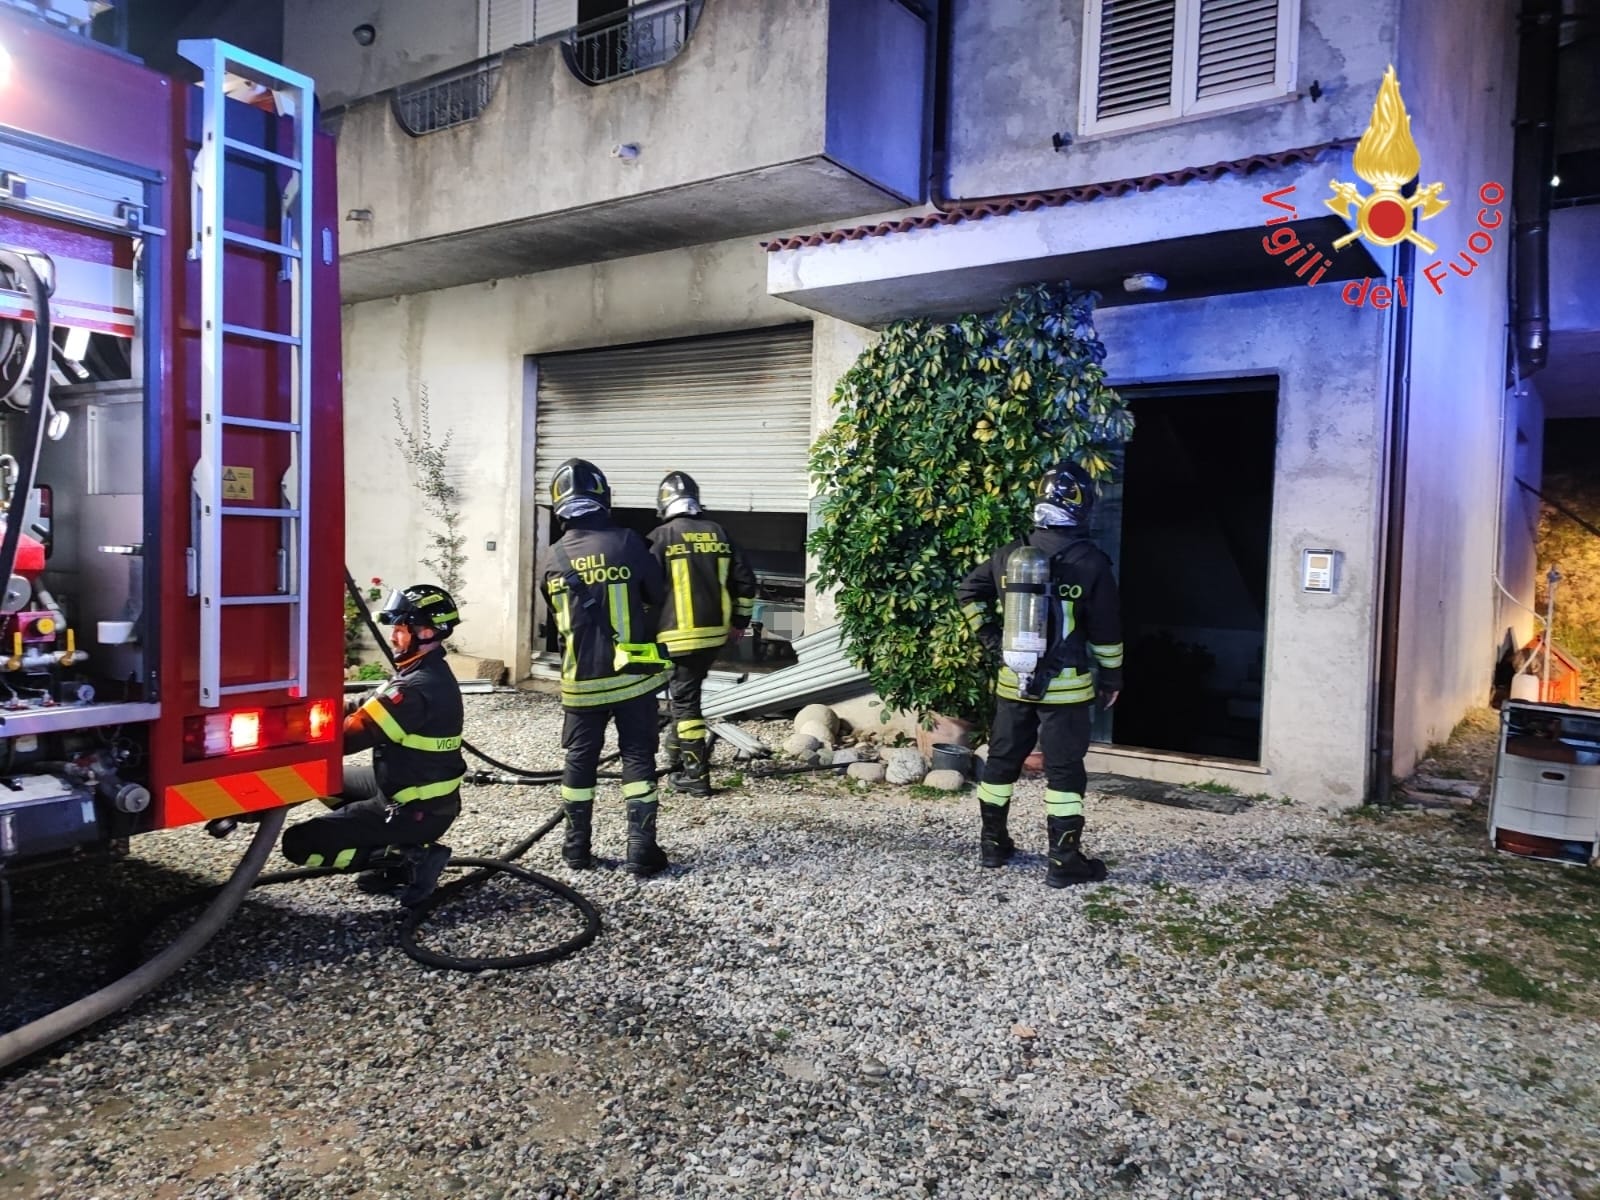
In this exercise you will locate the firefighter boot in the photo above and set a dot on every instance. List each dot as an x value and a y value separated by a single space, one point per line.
695 778
669 743
1067 863
426 867
575 849
388 872
644 856
995 846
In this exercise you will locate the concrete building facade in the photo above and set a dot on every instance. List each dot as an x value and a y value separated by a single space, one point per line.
840 165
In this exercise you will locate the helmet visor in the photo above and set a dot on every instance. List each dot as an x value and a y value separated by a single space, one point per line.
398 610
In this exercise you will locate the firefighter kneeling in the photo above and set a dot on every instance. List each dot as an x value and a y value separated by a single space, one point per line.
1060 606
390 815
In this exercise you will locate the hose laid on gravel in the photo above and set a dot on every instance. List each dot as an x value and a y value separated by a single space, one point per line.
36 1035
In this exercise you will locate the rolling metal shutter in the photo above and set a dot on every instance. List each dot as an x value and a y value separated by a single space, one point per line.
733 411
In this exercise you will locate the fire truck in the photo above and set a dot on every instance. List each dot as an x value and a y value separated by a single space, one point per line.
171 458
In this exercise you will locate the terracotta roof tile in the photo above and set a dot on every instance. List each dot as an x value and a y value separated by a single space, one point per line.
998 206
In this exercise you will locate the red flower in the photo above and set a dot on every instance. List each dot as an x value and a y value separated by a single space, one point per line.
377 579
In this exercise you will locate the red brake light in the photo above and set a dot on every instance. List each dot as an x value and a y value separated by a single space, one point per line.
319 723
244 730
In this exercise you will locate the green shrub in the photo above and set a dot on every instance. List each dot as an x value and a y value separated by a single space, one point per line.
943 430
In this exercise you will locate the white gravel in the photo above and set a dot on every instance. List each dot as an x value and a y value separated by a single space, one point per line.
827 997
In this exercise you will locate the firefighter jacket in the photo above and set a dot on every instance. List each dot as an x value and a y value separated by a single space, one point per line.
412 725
710 588
1084 617
600 581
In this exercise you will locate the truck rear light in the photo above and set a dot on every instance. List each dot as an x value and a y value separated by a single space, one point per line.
256 729
319 720
244 730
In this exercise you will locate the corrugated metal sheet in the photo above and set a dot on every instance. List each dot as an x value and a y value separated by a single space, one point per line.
821 676
733 411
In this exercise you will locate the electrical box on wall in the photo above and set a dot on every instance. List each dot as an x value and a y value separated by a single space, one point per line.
1319 571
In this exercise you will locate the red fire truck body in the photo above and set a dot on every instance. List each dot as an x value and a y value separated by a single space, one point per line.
171 642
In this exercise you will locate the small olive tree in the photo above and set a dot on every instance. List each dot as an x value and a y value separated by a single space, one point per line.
942 432
441 498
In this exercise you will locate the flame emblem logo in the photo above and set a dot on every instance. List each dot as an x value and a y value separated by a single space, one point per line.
1388 159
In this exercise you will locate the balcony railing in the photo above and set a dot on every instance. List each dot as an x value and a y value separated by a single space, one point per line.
442 101
642 37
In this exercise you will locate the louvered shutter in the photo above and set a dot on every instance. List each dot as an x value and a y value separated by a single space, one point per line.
733 411
504 23
1237 46
552 17
1136 47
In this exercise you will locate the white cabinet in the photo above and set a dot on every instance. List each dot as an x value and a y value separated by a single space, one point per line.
1546 800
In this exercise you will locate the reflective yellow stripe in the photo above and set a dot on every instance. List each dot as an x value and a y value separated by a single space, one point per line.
427 791
618 594
691 731
746 606
974 614
995 793
588 693
722 585
1108 656
383 719
1069 687
642 790
576 795
343 859
1062 804
682 595
313 860
392 730
679 641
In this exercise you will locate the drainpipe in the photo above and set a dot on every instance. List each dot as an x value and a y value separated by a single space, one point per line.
1381 782
939 156
1539 39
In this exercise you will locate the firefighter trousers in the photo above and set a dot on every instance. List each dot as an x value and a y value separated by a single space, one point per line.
583 735
350 836
1062 733
688 727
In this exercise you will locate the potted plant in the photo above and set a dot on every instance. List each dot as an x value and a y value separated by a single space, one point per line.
942 431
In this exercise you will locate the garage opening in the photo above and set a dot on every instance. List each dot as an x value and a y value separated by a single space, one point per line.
1189 529
734 411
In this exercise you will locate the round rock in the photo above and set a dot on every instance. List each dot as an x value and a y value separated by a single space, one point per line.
867 772
818 730
819 714
906 765
801 744
945 781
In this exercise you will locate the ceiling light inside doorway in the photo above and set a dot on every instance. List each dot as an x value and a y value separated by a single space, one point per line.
1144 281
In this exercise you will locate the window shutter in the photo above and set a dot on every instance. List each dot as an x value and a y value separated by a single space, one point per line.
505 23
1238 46
1137 45
551 17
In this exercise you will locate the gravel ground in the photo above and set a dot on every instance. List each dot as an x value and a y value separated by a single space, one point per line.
826 997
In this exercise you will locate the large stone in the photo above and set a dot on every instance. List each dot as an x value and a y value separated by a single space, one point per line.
469 666
801 744
945 781
847 755
866 772
821 732
906 765
818 714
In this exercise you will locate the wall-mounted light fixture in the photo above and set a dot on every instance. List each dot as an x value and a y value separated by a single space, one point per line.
1144 281
358 214
364 35
627 151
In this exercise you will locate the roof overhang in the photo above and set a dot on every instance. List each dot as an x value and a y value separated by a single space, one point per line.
1203 238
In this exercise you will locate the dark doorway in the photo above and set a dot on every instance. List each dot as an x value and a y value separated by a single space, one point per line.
1191 526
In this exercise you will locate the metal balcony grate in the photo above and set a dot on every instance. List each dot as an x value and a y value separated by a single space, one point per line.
447 100
645 36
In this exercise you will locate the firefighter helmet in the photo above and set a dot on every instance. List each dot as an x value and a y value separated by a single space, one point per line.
1066 494
421 604
678 493
578 487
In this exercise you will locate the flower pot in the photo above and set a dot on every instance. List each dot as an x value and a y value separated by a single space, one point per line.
945 729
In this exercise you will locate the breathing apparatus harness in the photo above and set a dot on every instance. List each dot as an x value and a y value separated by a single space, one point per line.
1027 646
632 658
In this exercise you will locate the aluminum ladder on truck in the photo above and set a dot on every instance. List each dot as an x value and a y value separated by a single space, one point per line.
295 96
